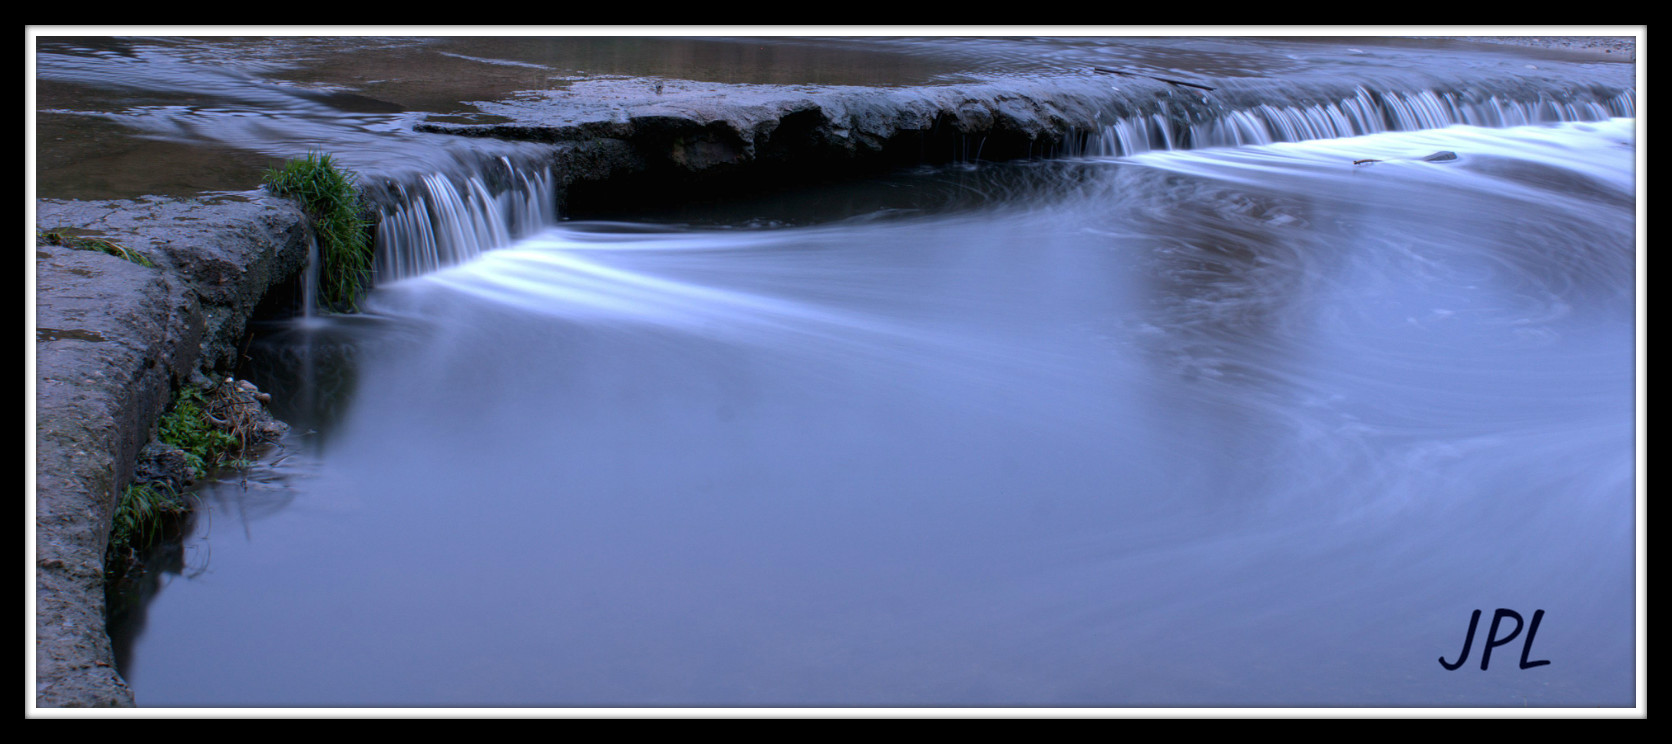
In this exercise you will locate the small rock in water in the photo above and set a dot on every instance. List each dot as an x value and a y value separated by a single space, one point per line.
1438 157
165 465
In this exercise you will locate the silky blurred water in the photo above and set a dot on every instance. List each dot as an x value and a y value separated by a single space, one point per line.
1247 426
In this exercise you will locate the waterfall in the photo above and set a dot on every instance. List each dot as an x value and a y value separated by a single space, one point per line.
434 220
1188 123
431 220
310 280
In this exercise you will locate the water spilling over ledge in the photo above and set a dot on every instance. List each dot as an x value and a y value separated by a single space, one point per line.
447 218
1192 124
591 141
685 147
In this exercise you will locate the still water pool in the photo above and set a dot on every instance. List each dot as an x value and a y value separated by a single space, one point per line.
1247 426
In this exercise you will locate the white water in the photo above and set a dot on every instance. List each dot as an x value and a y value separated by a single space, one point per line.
1364 113
445 220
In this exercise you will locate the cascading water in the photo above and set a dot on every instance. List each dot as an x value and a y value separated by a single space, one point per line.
1195 121
442 219
428 221
310 280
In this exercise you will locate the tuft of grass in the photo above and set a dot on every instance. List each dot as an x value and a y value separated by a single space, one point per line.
214 428
57 237
144 512
329 195
188 425
146 515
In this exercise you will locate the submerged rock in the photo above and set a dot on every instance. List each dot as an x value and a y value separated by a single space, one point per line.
1442 156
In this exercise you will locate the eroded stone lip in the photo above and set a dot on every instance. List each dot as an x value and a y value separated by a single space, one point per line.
113 339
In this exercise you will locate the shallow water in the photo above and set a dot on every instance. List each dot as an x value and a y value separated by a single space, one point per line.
118 117
1234 427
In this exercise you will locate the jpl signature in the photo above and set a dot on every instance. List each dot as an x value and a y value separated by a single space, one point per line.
1493 641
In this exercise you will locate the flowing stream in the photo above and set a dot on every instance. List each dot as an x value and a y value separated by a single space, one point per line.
1237 425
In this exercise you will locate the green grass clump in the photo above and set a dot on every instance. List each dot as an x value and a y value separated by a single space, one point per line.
212 427
187 425
142 515
58 237
146 510
331 199
146 515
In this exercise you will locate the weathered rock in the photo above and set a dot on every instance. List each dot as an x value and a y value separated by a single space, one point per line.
698 137
163 465
240 408
228 249
113 338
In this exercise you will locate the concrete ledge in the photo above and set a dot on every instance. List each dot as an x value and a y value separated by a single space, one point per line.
113 339
681 133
